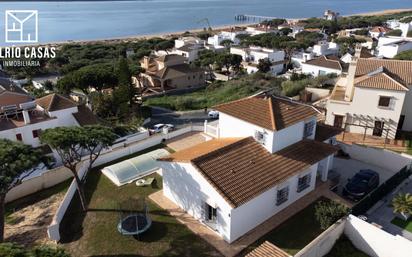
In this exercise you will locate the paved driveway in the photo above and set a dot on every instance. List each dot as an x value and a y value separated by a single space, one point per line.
347 168
178 119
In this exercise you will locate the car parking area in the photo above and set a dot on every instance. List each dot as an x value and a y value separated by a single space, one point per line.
347 168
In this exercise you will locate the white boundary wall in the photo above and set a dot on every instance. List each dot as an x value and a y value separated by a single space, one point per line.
374 241
110 155
321 245
32 185
366 237
377 156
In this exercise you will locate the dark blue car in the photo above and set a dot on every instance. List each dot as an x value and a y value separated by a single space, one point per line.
361 184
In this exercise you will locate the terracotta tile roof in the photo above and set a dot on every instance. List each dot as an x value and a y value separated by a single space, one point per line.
380 80
267 249
397 69
11 98
171 57
272 113
324 132
243 169
330 62
55 102
380 29
85 116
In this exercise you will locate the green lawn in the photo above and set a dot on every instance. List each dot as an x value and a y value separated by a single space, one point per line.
295 233
344 248
405 224
95 233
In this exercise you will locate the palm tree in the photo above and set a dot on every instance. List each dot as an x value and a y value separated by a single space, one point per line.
402 204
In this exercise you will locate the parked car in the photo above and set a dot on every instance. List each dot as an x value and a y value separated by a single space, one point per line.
213 114
159 127
361 184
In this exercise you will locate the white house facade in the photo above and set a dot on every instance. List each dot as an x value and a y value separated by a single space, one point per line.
375 98
323 65
388 47
255 164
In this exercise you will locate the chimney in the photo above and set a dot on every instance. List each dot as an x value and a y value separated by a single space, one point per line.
351 74
26 117
146 60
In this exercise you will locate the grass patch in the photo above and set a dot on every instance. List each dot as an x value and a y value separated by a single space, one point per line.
405 224
216 93
95 233
344 248
31 199
295 233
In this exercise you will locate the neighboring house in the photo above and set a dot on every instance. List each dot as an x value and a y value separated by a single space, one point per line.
330 15
227 34
379 31
388 47
169 72
325 48
252 55
265 159
301 57
22 118
347 58
374 98
188 47
261 29
323 65
393 24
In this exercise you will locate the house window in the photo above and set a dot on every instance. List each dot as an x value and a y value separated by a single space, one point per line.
384 101
36 133
282 195
308 129
19 137
303 182
260 137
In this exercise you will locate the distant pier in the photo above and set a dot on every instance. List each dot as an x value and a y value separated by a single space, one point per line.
258 18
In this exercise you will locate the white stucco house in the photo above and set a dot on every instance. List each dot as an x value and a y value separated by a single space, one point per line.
22 118
188 47
378 31
388 47
323 65
264 159
226 34
325 48
253 54
374 98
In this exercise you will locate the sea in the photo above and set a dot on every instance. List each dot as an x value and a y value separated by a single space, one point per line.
93 20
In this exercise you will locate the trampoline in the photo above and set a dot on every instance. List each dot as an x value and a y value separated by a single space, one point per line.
129 170
134 219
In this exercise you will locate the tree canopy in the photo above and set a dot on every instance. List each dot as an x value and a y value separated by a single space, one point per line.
17 161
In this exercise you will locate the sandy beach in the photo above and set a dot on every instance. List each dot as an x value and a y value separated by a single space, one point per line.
215 29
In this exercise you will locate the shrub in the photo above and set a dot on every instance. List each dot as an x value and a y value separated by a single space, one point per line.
402 203
328 212
395 32
48 251
12 250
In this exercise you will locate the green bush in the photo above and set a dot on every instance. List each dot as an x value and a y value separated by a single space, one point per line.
328 212
395 32
406 55
15 250
12 250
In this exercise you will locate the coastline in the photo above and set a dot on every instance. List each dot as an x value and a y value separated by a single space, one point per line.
132 38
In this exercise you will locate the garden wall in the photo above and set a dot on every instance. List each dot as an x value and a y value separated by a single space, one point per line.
108 156
364 236
374 241
380 157
321 245
32 185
